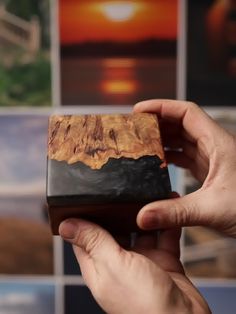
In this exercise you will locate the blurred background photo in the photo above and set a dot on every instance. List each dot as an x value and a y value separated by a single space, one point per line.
211 52
25 235
25 68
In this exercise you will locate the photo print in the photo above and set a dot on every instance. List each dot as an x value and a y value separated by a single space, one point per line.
117 52
25 70
26 298
25 236
211 52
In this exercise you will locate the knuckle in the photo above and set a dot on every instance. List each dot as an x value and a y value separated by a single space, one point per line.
180 214
192 105
185 214
89 239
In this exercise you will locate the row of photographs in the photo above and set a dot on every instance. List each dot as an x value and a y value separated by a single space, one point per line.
27 298
22 297
117 56
25 235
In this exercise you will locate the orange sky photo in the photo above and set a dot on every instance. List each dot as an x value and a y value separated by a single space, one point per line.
87 20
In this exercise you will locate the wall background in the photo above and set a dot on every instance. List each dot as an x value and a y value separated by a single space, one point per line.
43 70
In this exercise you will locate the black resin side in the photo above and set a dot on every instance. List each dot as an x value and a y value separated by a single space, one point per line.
123 180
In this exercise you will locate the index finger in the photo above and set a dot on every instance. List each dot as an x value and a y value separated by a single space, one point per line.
194 120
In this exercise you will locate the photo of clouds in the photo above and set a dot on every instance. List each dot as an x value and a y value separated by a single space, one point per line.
26 298
117 53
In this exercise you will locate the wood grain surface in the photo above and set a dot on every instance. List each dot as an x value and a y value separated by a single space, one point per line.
93 139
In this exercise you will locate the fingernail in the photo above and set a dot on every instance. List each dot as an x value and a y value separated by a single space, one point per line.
68 229
150 220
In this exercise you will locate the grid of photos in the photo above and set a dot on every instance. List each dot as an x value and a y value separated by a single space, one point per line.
109 53
27 255
121 52
26 241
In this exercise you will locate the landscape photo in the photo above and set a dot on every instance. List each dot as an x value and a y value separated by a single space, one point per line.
117 52
25 236
25 69
18 297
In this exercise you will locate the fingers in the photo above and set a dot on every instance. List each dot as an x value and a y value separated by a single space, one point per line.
194 120
91 245
161 247
91 238
169 241
171 110
166 240
190 210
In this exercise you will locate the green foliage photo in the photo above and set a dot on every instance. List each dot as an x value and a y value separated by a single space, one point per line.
25 77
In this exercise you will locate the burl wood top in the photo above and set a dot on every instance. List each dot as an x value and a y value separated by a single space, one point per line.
93 139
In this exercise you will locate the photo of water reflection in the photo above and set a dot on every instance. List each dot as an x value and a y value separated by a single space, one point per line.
121 53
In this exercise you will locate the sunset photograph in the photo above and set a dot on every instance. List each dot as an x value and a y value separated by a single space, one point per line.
117 52
83 21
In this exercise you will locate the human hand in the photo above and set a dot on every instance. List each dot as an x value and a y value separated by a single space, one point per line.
145 280
198 143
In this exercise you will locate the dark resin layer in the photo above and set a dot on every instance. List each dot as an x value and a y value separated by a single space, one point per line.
121 180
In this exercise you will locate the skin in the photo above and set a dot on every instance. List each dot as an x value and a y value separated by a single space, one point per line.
150 278
145 280
198 143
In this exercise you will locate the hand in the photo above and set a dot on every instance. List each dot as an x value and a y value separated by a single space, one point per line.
146 281
198 143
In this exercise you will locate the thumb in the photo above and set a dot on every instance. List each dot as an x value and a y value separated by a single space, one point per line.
91 238
171 213
93 246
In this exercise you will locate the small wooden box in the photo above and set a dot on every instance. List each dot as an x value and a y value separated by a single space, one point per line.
104 168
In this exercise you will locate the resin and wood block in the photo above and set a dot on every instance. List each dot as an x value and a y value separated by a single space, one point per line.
104 168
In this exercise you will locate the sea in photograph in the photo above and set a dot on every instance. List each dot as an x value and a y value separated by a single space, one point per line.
116 81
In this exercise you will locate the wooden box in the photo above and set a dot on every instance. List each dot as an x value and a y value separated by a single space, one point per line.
104 168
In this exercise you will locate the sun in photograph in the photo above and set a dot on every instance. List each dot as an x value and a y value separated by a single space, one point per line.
119 11
117 21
